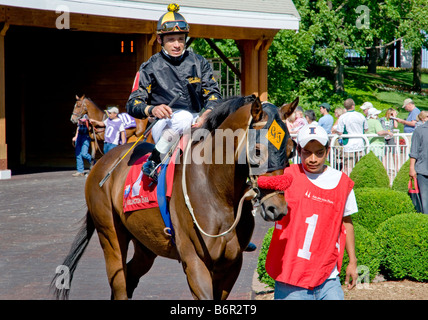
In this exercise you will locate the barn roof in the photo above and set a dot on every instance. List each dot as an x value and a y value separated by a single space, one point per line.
265 14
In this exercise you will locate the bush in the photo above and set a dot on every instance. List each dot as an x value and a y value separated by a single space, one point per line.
261 270
376 205
369 172
401 181
367 251
404 247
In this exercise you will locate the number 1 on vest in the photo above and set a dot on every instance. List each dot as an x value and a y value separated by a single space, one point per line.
312 223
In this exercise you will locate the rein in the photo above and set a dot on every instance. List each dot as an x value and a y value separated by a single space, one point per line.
252 194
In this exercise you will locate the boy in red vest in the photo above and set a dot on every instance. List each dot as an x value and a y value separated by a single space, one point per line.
306 251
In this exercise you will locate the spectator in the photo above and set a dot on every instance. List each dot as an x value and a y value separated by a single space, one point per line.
422 118
310 117
352 122
326 121
419 162
305 254
299 121
82 142
376 143
115 130
365 107
337 113
412 118
389 124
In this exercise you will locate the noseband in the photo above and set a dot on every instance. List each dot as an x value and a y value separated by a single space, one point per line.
81 113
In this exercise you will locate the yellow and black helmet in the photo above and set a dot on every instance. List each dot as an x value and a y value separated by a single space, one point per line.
172 21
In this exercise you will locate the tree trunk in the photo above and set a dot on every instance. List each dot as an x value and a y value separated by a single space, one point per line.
417 65
373 57
339 77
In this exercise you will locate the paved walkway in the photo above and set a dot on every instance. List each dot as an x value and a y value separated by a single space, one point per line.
40 214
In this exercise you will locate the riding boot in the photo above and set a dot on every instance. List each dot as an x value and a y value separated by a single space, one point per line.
149 168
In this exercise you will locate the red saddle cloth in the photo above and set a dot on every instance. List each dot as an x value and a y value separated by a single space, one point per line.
138 195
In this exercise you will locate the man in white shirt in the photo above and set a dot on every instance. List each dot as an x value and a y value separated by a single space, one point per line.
352 122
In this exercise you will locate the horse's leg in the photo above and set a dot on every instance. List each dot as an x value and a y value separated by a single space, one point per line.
139 265
198 275
225 278
93 149
114 240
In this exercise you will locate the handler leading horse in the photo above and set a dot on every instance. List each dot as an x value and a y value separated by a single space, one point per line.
212 192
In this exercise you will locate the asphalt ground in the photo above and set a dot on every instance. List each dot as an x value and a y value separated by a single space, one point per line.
40 213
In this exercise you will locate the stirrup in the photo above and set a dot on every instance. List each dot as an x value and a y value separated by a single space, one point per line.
149 169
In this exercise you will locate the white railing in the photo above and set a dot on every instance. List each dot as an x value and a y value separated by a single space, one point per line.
392 156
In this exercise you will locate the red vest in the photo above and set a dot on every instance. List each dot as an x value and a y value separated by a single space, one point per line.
310 240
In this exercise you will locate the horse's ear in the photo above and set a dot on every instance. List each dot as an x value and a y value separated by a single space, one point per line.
77 97
288 109
83 97
257 110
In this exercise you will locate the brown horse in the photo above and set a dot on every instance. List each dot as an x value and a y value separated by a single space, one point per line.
211 206
85 105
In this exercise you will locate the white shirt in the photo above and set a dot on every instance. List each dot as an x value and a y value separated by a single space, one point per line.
353 123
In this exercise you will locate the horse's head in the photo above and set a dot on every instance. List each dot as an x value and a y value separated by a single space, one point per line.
79 109
270 147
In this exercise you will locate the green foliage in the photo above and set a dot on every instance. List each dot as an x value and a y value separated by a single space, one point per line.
401 181
369 172
404 247
376 205
367 251
261 270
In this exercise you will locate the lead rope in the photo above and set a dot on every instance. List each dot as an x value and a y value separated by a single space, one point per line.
251 193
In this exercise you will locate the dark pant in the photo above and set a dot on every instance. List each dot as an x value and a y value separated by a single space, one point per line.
423 190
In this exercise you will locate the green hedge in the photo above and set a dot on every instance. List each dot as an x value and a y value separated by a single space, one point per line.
401 181
367 251
369 172
376 205
404 247
263 275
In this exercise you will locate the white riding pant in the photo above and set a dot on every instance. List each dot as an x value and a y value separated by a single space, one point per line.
166 131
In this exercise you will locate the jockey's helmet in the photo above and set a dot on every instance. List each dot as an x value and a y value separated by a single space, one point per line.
172 21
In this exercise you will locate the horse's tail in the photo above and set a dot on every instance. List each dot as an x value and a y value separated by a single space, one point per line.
64 273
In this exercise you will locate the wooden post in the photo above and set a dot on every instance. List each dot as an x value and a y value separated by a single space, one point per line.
4 173
263 69
249 67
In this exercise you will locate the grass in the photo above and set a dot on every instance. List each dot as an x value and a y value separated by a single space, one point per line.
384 89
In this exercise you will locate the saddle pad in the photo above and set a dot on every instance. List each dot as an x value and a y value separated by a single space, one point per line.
138 195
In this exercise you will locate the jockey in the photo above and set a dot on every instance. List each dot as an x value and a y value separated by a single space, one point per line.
172 72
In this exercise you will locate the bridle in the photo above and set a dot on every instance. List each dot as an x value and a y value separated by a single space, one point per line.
82 112
253 193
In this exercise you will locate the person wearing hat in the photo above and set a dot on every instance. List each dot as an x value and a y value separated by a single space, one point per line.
412 118
366 107
375 127
326 121
114 133
172 72
307 246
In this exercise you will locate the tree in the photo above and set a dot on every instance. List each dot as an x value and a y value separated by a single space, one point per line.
413 26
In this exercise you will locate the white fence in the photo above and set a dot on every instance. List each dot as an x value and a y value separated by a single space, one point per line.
392 156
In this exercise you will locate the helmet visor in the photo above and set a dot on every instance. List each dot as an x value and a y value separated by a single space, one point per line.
174 26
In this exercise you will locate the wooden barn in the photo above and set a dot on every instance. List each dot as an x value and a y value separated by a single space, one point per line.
53 50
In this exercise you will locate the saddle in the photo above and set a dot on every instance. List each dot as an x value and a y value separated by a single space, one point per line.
140 193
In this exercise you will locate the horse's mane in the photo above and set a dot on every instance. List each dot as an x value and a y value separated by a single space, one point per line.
224 109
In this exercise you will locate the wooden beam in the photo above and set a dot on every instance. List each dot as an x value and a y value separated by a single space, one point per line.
223 57
3 145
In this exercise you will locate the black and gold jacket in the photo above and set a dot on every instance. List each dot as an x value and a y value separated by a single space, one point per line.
161 78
